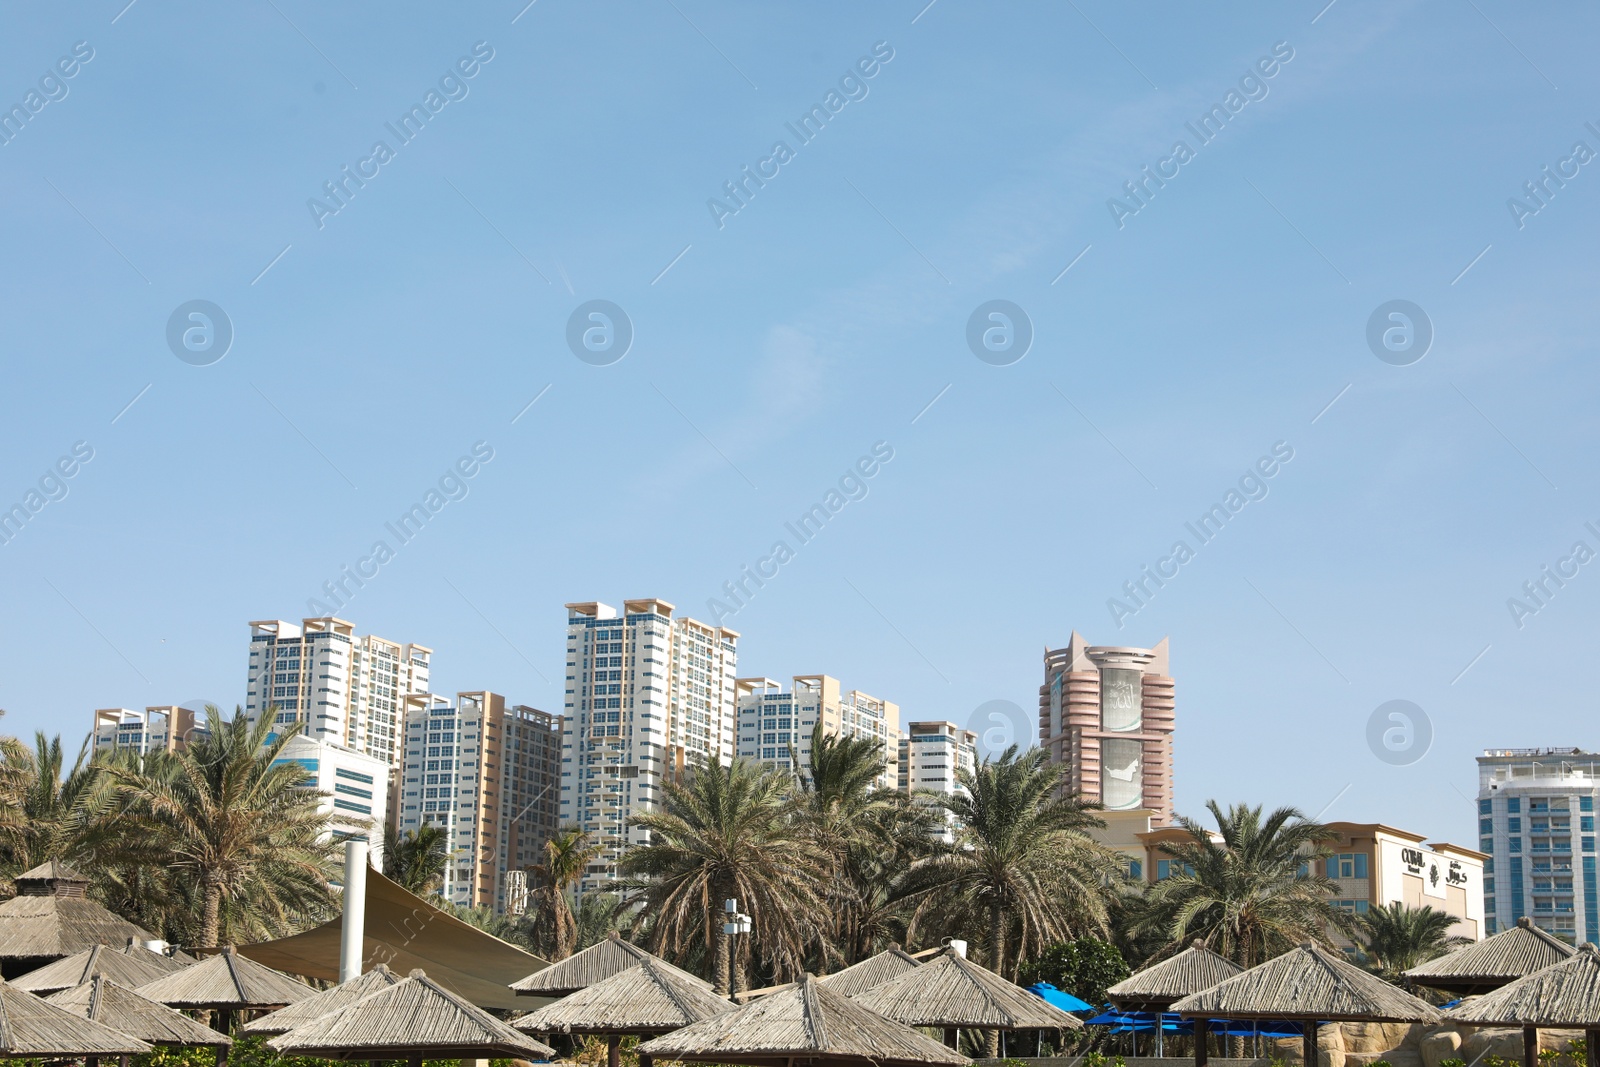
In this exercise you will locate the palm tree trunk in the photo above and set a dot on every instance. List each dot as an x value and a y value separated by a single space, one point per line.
719 953
997 951
211 918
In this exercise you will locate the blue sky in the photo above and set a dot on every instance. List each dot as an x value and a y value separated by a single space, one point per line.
1226 315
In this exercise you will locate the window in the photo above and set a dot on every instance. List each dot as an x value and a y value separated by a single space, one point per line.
1348 865
1136 870
1485 806
1485 826
1514 804
1516 844
1586 823
1514 825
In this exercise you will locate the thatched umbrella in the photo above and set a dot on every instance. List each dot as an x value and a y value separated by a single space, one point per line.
594 964
1565 994
319 1004
108 1003
809 1025
50 917
226 982
872 971
1487 965
1308 985
952 992
651 998
412 1020
1160 985
130 966
30 1027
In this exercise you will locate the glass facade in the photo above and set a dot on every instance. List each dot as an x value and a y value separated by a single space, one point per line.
1122 773
1121 700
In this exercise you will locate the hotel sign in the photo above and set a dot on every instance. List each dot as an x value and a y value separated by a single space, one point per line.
1412 858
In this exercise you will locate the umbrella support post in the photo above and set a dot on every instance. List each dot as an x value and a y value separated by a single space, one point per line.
1591 1043
1200 1027
1160 1042
646 1061
222 1055
614 1051
1310 1042
1530 1046
950 1036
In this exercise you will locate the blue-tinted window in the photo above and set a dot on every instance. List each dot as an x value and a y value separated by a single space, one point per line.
1485 826
1586 823
1514 804
1516 844
1485 806
1586 803
1588 844
1136 870
1514 825
1488 904
1486 845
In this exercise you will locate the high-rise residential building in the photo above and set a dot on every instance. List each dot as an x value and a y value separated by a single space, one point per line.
1536 820
346 688
1106 715
648 693
931 754
771 720
160 728
484 773
355 788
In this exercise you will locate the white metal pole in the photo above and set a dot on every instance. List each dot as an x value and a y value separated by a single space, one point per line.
353 928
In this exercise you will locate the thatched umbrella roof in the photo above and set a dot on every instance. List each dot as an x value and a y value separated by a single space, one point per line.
106 1002
1494 962
952 991
50 917
807 1026
319 1004
594 964
1308 982
650 998
1566 994
413 1019
872 971
1193 970
226 981
31 1027
130 966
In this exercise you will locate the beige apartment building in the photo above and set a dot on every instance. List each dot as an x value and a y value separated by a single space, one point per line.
773 721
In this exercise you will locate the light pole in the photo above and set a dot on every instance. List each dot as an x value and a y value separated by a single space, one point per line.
736 923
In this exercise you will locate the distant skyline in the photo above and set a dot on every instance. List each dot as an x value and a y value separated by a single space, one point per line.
245 344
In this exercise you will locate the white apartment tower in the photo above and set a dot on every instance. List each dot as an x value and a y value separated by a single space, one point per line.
771 720
347 688
647 693
1536 820
160 728
931 755
482 772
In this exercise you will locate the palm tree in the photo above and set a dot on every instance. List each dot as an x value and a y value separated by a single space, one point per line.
1022 858
870 835
567 856
1398 937
237 833
1249 890
43 813
728 832
416 859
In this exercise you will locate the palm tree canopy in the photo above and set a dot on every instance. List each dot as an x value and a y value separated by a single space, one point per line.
1247 891
728 832
1023 857
1399 937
